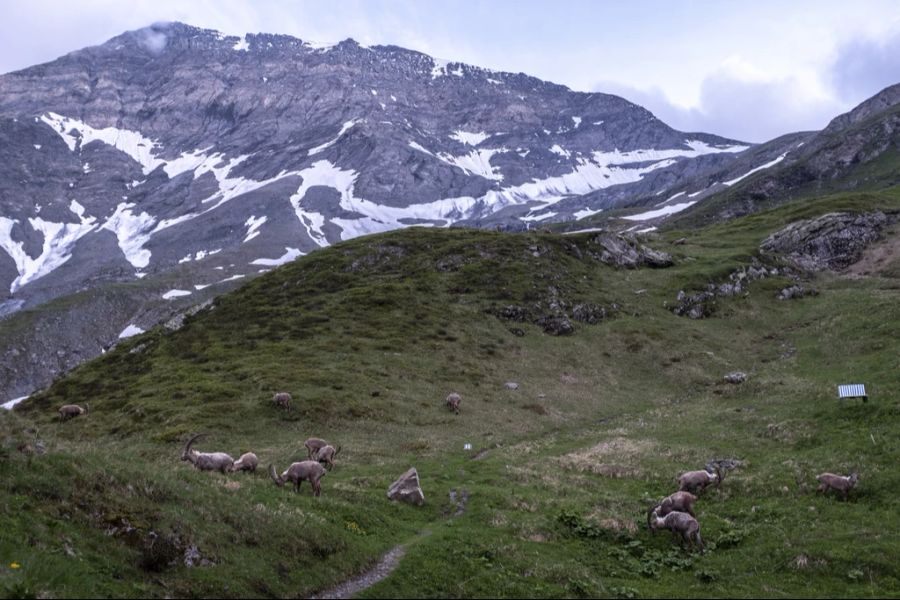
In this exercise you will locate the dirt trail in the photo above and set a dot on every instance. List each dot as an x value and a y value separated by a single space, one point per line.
391 559
384 567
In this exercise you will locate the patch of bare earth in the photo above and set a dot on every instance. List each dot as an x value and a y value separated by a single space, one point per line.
876 257
616 457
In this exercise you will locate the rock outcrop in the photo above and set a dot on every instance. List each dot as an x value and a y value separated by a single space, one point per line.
832 241
624 252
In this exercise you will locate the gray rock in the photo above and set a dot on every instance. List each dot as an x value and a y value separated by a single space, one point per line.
407 489
559 325
795 291
511 385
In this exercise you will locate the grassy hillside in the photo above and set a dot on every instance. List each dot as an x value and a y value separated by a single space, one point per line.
369 337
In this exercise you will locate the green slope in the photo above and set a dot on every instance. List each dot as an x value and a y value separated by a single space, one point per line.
370 336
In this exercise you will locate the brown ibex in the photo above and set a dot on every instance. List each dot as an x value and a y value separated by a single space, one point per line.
247 462
326 455
679 501
206 461
453 400
69 411
838 483
313 445
308 470
282 400
679 523
697 481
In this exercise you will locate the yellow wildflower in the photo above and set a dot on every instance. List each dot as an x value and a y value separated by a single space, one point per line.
14 565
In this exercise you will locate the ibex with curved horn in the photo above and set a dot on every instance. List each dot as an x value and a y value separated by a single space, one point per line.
206 461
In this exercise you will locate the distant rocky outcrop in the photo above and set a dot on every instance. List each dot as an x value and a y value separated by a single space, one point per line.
832 241
702 304
625 252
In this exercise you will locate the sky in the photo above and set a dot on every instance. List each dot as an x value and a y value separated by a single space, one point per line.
746 70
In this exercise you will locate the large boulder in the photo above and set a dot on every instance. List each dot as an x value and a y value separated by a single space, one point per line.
407 488
832 241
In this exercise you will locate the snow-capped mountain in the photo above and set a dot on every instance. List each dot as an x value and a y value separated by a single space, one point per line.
177 160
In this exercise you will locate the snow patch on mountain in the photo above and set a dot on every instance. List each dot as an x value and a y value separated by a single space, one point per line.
670 198
466 137
253 224
587 212
697 148
557 149
133 231
171 294
288 256
660 212
131 143
477 162
416 146
59 240
130 331
731 182
344 129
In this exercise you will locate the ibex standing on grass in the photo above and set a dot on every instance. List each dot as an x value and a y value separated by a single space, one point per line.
69 411
206 461
308 470
697 481
838 483
679 523
679 501
453 400
326 455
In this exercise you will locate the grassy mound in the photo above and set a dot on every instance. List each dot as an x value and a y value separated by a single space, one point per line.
371 335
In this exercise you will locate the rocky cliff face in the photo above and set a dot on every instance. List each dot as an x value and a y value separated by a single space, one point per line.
857 150
176 161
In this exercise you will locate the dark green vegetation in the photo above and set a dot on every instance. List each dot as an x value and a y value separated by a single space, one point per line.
370 336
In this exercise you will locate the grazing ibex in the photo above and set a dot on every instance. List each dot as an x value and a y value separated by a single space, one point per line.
313 445
679 523
308 470
247 462
697 481
326 455
282 400
71 410
453 401
206 461
679 501
838 483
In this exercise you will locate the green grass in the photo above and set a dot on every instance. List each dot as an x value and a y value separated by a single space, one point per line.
370 336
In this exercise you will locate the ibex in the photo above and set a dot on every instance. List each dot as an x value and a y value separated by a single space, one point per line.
308 470
679 523
247 462
697 481
206 461
453 402
313 445
838 483
679 501
326 455
71 410
282 400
